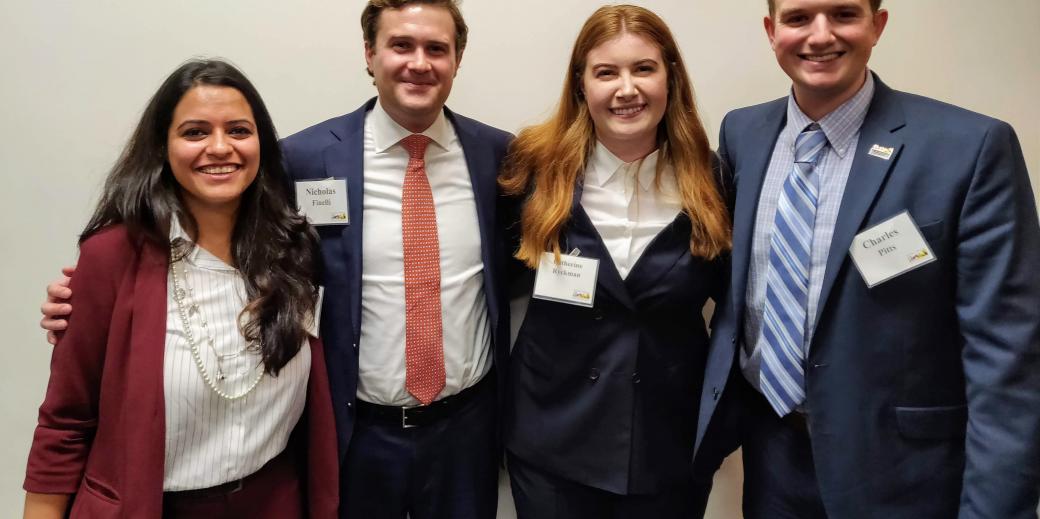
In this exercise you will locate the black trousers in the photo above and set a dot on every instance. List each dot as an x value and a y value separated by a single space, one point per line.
542 495
444 470
779 475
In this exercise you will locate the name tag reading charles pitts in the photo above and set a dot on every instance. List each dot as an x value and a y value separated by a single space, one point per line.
890 249
323 202
572 281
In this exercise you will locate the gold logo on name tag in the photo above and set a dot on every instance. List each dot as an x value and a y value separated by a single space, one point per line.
881 152
918 256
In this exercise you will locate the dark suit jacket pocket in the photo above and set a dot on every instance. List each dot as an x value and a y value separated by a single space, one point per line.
932 423
933 231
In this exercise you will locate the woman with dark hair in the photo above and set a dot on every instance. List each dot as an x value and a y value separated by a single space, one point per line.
622 217
189 382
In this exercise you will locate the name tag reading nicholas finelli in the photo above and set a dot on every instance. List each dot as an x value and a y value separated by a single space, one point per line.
323 202
890 249
572 281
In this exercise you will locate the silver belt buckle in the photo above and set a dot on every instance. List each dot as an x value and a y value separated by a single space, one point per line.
404 417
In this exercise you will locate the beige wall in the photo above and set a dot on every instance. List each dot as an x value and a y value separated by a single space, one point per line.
76 75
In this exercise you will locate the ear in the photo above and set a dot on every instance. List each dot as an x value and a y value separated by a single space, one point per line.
770 27
370 51
880 21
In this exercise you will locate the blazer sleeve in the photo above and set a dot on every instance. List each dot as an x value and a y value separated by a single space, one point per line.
998 307
68 416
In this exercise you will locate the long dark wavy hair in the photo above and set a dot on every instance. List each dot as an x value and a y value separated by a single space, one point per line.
272 246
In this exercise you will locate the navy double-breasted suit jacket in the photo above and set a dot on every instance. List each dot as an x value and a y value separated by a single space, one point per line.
335 149
607 396
924 391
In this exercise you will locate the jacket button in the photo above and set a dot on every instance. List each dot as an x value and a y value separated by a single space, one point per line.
350 404
598 316
715 393
733 341
593 374
635 377
354 345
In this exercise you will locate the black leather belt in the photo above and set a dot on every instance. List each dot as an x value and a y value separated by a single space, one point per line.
420 415
209 492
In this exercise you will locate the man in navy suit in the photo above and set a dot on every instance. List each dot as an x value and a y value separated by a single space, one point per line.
400 454
882 335
411 355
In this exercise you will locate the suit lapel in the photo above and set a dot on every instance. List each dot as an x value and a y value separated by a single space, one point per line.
667 248
145 371
868 174
483 171
750 173
346 159
581 234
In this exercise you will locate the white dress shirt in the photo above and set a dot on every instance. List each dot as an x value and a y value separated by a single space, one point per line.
211 440
626 205
467 332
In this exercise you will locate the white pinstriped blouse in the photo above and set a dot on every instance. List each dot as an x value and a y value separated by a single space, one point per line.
210 440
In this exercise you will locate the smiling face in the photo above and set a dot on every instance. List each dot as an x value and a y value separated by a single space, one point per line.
625 84
213 148
824 46
414 62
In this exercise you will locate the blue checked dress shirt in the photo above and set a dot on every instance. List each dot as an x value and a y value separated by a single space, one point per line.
833 166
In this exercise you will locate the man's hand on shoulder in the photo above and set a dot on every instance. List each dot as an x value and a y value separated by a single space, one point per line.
55 308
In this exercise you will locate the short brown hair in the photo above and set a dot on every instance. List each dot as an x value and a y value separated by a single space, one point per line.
370 18
874 6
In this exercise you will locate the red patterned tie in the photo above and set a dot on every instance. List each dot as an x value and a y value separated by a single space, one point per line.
424 338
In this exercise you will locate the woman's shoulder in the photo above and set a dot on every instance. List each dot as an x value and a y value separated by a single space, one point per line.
112 239
112 248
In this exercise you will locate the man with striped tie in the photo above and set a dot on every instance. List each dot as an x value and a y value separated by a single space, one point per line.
883 324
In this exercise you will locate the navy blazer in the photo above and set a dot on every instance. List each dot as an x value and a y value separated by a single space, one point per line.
924 391
607 396
335 149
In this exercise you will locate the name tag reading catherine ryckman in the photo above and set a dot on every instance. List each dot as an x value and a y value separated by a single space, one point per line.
323 202
890 249
572 281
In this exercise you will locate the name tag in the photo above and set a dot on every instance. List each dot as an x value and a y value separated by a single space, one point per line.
323 202
890 249
573 281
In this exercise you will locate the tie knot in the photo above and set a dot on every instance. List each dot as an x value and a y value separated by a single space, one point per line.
809 144
416 145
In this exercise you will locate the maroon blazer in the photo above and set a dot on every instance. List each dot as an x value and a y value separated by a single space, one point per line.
102 425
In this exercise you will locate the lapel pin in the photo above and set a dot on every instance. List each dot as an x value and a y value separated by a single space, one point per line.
881 152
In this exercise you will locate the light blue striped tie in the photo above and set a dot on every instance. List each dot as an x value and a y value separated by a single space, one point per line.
782 379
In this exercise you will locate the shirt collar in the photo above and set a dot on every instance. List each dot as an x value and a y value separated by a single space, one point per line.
841 125
196 255
387 133
604 165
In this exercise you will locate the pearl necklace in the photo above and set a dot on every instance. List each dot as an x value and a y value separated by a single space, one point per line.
187 299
